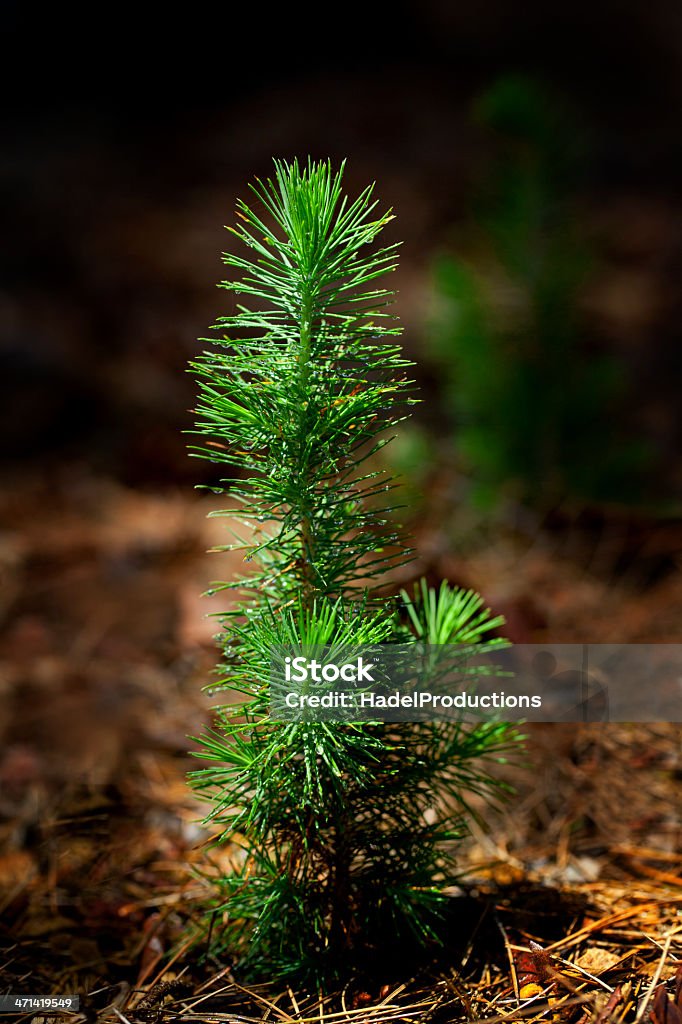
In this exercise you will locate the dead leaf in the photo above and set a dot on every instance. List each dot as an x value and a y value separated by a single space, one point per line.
666 1010
596 961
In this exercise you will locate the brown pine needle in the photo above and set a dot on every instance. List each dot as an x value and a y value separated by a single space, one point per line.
644 1003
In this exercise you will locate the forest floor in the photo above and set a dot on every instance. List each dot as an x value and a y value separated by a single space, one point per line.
104 869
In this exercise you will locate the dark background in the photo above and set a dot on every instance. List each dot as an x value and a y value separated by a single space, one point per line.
128 132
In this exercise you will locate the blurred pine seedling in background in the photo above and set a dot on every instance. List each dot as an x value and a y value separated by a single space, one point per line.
539 407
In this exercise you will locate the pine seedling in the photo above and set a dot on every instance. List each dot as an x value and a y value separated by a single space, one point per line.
346 831
541 414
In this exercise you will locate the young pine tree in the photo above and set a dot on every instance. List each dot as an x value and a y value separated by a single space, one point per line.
541 414
347 830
